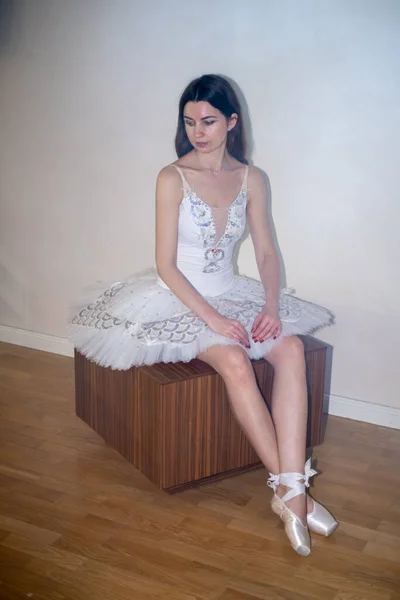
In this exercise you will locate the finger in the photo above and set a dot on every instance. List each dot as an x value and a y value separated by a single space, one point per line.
240 339
262 326
256 322
242 334
245 337
277 331
269 331
266 333
258 327
236 334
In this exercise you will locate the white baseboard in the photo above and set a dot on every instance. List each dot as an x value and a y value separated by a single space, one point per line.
340 406
37 341
378 414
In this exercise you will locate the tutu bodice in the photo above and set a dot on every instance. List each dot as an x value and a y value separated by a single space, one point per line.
206 239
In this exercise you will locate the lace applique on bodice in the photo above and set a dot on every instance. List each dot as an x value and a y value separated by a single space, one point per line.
215 237
217 229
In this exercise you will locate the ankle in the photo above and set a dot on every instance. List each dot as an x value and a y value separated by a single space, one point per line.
298 505
282 490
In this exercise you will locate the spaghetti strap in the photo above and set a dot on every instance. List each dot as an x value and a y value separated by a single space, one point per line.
185 184
246 173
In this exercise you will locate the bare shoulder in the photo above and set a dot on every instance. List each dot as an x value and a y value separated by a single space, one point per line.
256 181
256 176
169 185
168 175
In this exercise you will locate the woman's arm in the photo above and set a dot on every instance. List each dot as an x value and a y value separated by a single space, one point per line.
168 199
266 257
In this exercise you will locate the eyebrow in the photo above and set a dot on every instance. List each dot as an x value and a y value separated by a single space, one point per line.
202 118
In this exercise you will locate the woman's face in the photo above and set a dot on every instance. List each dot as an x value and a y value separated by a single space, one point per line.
206 127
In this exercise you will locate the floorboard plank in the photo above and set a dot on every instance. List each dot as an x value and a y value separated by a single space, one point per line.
78 522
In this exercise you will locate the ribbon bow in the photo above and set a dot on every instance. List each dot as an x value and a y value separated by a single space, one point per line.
273 481
308 472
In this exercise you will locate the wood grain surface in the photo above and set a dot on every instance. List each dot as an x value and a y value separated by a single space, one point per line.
173 421
79 522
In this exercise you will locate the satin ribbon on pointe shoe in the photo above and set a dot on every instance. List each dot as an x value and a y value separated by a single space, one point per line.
319 520
295 530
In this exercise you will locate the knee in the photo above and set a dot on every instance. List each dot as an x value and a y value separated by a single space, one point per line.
289 350
293 346
236 364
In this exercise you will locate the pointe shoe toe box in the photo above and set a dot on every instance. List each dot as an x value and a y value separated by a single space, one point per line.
296 532
320 520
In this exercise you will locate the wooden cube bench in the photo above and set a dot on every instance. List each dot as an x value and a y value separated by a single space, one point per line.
173 421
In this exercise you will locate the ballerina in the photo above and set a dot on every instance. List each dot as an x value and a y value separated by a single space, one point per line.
195 306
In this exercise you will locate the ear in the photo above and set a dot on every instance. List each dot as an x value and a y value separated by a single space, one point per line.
232 121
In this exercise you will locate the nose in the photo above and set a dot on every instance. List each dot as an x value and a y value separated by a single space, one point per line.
199 131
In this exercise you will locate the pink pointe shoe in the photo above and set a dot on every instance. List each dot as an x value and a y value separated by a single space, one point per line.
319 520
298 534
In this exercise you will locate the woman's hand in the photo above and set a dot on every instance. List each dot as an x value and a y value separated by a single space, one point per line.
266 324
229 328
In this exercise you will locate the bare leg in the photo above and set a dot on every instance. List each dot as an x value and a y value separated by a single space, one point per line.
280 443
289 412
248 405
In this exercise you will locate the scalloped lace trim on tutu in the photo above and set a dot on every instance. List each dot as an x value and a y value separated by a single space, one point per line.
136 322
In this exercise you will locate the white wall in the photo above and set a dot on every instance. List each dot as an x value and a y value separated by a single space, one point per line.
88 105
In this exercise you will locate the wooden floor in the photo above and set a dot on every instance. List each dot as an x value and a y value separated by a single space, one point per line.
78 522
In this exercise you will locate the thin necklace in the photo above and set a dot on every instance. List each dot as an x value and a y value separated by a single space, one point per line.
215 173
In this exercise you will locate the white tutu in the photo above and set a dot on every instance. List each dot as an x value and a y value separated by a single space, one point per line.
138 322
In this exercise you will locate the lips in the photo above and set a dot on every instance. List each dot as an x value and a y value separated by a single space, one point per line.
201 144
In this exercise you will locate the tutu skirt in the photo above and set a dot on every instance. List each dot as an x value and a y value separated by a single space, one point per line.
137 322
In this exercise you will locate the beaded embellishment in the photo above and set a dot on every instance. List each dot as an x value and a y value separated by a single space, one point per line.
202 216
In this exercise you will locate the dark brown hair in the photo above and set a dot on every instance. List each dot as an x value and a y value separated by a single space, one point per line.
220 94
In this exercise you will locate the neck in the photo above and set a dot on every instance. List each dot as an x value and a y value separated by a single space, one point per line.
215 161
